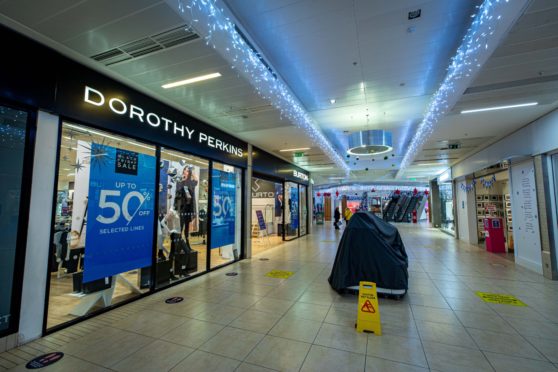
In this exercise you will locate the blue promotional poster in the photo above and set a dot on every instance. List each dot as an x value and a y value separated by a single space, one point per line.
119 235
278 200
163 185
293 204
261 220
223 217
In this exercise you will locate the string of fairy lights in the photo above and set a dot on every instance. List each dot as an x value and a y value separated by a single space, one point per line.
464 64
267 84
487 184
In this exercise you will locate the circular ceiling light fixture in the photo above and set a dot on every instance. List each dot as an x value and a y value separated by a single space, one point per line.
369 142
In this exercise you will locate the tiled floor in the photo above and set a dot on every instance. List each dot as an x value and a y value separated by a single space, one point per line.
251 322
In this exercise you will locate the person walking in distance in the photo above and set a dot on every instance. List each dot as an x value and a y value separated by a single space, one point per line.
337 218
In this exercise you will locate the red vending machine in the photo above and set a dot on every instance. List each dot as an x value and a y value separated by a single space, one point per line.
494 232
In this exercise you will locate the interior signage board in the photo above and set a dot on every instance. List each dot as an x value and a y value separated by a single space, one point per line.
264 162
300 175
262 189
94 99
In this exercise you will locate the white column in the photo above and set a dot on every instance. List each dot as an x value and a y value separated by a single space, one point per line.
466 211
248 205
38 236
310 207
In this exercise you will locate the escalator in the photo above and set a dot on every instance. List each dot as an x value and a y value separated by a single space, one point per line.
404 207
401 206
410 208
390 208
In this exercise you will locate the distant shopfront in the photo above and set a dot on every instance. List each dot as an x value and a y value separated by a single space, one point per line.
279 201
442 202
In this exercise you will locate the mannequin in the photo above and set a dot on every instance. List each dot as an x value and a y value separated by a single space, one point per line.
184 200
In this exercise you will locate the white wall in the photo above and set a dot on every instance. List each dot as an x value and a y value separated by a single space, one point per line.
525 216
466 212
38 237
536 138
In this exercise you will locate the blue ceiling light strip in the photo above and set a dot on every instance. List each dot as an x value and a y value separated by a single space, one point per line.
214 23
465 64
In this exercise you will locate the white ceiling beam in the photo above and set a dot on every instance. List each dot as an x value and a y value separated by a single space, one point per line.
215 23
489 27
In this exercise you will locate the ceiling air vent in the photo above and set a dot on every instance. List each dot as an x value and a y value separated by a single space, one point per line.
111 56
175 36
141 47
147 45
414 14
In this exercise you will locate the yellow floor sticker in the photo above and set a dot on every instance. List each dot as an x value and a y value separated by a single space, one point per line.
497 298
279 274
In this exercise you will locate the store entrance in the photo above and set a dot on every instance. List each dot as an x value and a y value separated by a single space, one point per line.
494 212
267 214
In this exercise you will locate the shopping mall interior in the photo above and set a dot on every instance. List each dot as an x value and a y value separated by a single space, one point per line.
279 185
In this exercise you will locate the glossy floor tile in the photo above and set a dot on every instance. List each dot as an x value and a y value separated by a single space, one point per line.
251 322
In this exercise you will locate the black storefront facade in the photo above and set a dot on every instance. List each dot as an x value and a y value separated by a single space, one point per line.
158 193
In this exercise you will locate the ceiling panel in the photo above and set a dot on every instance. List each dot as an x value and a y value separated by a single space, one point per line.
191 52
149 21
326 49
524 68
31 12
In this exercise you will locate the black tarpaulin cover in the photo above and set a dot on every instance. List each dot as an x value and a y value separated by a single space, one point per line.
370 250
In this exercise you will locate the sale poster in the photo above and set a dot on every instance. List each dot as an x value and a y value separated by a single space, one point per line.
293 204
120 212
223 216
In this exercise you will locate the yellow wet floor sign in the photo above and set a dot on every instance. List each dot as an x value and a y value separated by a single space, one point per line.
497 298
279 274
368 317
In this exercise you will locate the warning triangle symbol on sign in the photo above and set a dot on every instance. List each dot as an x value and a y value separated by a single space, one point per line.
367 307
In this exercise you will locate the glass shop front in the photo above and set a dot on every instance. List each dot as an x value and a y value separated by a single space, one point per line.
279 201
141 201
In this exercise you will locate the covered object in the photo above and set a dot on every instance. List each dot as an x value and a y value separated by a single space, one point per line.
370 250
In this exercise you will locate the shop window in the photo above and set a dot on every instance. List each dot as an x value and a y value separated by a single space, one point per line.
102 247
225 240
303 210
13 131
182 217
292 216
446 205
267 214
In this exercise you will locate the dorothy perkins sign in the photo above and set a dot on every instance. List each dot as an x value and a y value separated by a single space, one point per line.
120 107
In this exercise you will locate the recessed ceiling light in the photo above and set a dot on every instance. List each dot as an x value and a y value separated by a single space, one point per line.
332 101
140 145
91 131
191 80
499 107
299 149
